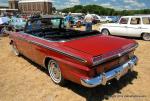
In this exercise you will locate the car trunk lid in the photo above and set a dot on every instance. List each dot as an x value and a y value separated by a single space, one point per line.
97 45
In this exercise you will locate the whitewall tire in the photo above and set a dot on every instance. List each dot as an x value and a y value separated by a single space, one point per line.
146 36
105 32
55 72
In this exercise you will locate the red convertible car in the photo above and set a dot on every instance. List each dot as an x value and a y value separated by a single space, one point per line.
86 58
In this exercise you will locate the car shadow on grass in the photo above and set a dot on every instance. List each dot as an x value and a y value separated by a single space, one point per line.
35 64
98 93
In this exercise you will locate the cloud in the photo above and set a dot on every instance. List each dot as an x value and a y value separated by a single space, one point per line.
124 4
66 3
107 5
113 0
135 4
3 3
110 5
116 4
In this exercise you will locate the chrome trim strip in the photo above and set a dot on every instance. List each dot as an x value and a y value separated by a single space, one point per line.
115 56
58 51
116 73
124 27
50 48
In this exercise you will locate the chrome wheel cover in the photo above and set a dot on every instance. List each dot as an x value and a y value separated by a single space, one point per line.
105 32
146 36
54 71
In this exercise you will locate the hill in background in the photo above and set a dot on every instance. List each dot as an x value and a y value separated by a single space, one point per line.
96 9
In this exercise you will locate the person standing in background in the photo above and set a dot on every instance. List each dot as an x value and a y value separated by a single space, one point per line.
68 20
88 21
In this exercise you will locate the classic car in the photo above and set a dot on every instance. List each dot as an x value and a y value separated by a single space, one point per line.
106 19
96 18
131 26
77 21
99 19
17 24
3 25
86 58
114 19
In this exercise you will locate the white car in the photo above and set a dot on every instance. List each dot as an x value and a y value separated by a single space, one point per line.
97 18
105 19
132 26
101 18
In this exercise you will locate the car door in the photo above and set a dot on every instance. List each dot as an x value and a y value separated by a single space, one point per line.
120 29
40 44
135 27
23 44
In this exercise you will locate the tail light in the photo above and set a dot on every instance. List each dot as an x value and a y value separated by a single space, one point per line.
92 73
97 59
131 54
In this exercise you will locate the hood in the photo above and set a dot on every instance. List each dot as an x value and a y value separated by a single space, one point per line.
97 45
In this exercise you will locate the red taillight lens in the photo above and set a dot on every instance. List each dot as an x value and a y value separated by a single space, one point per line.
92 73
99 69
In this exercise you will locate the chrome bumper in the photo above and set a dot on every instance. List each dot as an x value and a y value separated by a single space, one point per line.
116 73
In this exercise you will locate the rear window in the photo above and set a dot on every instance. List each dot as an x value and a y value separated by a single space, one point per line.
146 20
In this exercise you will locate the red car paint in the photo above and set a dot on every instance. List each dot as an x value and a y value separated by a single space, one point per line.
78 58
85 48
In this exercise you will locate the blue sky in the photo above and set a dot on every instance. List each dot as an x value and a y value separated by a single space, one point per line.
116 4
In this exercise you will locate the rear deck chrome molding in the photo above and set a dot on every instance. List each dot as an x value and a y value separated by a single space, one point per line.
115 55
116 73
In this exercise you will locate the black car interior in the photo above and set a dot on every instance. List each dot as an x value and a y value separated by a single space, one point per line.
45 29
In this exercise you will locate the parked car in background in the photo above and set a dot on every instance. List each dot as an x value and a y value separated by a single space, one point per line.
96 18
74 55
131 26
3 25
99 19
78 21
114 19
17 24
106 19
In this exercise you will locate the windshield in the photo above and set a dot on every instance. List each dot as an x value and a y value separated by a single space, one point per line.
46 23
146 20
54 29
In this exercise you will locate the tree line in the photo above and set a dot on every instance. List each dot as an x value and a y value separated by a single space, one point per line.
96 9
